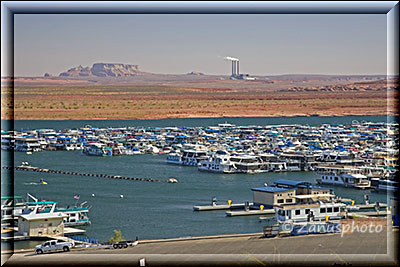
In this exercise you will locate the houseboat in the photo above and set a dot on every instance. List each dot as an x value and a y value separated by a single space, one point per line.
246 164
174 158
219 163
97 149
287 192
192 157
27 144
7 142
310 212
75 216
342 175
11 207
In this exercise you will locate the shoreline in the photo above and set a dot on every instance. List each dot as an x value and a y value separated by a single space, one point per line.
205 117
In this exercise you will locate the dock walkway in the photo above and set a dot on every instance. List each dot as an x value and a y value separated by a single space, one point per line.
220 207
370 206
249 212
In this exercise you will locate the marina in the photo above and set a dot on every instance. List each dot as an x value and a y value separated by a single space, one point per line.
158 134
350 155
152 202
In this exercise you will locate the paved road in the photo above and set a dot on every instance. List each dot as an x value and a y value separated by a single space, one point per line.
326 249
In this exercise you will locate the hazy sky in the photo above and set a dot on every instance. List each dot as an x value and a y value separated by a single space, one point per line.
265 44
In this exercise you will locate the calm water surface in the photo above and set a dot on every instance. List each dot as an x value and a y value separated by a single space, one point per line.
64 124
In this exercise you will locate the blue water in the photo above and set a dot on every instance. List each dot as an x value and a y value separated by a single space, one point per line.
154 210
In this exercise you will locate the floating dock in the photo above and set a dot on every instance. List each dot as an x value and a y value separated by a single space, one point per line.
249 212
220 207
370 213
37 169
370 206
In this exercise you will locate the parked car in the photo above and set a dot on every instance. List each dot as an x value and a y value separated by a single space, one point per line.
53 245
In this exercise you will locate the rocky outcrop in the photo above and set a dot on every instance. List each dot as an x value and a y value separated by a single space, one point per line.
195 73
103 70
114 70
76 72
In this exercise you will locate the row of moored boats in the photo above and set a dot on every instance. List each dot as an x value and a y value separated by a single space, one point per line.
362 155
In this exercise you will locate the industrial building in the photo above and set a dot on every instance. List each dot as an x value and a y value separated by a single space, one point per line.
235 70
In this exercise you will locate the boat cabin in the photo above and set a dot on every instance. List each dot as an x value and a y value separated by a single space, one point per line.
310 212
41 224
270 196
285 192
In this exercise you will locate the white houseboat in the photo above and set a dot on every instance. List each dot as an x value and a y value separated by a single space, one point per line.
27 144
174 158
7 142
11 206
192 157
75 216
342 175
310 212
246 164
96 149
220 163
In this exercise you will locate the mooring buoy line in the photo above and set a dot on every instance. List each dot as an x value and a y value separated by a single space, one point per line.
37 169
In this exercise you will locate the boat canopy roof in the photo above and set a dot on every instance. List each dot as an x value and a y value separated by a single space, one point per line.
291 183
271 189
313 196
64 210
41 203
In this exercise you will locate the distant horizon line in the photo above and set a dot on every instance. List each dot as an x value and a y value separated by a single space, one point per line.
205 74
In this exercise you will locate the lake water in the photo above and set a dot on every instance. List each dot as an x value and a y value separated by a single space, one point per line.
193 122
155 210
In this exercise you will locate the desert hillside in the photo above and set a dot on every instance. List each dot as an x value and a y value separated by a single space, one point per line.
121 91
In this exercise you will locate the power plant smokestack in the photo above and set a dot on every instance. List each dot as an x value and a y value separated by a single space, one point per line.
235 66
235 71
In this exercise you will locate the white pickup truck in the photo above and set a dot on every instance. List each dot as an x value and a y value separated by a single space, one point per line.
53 245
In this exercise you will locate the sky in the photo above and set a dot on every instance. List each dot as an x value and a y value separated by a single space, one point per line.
266 44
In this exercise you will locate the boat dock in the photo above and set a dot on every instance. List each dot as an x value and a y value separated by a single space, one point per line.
244 209
37 169
250 212
370 213
221 207
371 206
